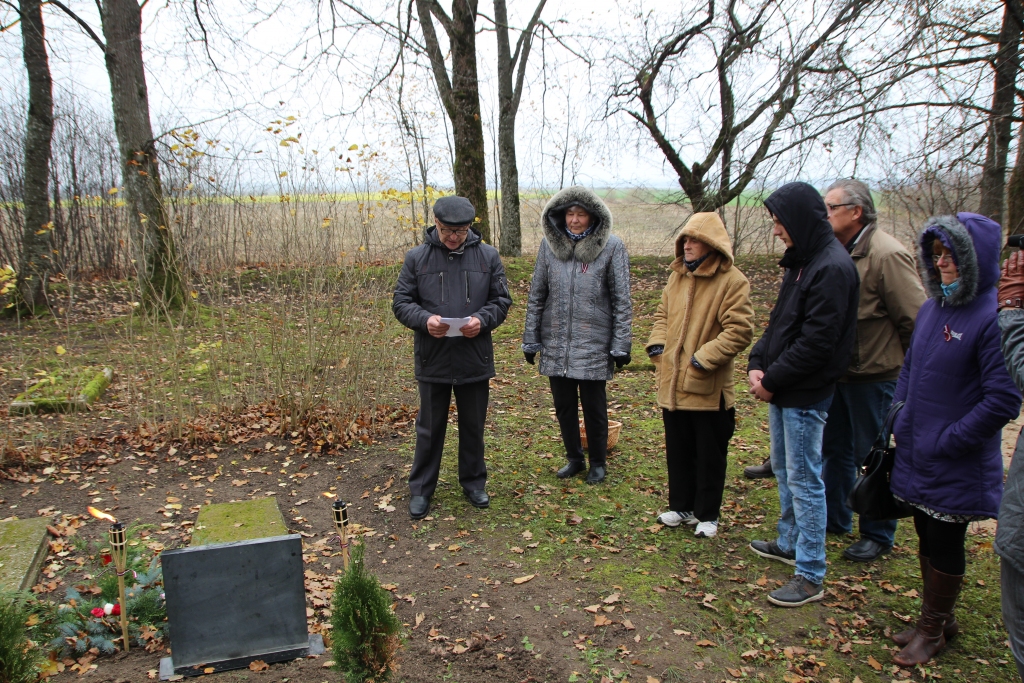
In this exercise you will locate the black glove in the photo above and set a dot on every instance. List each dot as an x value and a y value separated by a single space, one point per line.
530 357
621 360
655 350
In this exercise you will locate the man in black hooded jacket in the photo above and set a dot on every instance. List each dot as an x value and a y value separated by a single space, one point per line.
794 366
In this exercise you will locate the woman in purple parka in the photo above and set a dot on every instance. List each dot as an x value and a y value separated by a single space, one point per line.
958 395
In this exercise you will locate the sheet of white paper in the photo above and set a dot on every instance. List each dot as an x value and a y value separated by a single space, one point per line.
455 326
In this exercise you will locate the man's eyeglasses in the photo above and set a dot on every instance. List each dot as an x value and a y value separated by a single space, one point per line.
937 258
448 232
833 207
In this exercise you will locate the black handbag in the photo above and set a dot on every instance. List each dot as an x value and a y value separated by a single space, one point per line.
871 496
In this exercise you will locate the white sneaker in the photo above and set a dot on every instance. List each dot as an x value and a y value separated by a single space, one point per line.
674 519
706 530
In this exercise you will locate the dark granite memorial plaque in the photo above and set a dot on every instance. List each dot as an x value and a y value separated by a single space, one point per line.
229 604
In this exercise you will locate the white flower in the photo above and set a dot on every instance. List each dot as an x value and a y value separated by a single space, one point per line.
108 608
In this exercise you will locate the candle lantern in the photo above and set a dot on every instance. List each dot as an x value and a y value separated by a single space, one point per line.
341 523
119 555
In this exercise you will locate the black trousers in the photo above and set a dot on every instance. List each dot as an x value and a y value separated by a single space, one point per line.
431 426
941 542
696 443
568 394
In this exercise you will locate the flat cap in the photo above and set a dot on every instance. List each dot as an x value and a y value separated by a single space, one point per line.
454 211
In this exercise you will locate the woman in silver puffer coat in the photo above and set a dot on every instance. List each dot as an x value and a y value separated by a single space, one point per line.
579 318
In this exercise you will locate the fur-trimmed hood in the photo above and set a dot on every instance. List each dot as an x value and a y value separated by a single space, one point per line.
709 229
975 242
552 220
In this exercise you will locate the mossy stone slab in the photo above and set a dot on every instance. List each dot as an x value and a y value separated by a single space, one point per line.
22 552
72 393
245 520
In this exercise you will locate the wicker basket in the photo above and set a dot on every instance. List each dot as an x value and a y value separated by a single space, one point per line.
614 429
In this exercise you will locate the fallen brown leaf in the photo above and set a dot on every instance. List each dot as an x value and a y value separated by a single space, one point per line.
523 579
706 643
258 665
874 663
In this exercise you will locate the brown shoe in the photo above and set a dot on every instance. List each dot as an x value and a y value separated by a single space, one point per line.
950 629
940 594
762 471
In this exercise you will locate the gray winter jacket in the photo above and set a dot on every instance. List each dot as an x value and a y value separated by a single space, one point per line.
469 281
1009 543
579 313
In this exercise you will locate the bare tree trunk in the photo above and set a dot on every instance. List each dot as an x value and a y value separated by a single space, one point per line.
155 257
1000 127
461 98
1015 191
510 90
36 259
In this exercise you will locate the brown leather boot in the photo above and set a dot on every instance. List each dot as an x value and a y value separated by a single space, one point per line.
940 593
951 628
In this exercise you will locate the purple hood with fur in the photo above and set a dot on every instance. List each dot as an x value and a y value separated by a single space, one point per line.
958 393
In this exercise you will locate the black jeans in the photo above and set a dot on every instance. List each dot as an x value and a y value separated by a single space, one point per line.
696 443
941 542
431 425
568 394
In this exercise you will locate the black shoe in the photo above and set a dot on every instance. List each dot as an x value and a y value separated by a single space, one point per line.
771 550
866 550
419 506
799 591
571 469
478 499
762 471
596 474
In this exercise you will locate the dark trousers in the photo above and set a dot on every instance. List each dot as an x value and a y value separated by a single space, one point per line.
941 542
854 421
1012 585
696 443
568 394
431 425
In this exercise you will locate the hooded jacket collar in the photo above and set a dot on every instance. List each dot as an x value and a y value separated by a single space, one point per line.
709 229
552 220
801 210
975 242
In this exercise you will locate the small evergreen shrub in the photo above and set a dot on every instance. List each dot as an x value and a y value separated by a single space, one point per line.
365 631
20 658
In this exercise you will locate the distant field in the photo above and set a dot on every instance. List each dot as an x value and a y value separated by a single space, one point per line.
216 232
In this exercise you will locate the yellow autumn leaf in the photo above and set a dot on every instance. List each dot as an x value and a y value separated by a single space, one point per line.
353 147
60 350
112 190
282 174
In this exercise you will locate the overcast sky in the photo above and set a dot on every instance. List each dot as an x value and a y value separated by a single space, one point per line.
271 60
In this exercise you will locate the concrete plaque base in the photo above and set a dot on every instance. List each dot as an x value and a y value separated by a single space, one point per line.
315 647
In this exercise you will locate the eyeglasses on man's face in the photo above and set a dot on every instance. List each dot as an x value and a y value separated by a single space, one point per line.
448 232
832 207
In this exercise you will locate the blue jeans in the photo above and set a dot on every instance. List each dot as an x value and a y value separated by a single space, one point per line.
854 421
796 460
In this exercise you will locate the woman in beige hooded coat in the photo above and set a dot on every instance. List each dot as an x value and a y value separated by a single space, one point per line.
704 320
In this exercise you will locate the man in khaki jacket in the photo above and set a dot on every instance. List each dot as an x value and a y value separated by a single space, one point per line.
704 320
890 296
